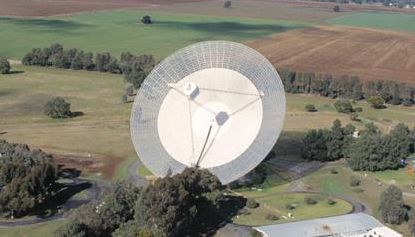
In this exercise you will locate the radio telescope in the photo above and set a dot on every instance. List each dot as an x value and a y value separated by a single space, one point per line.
216 105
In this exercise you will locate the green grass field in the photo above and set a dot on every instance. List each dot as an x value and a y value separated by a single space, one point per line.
390 21
98 95
39 230
119 31
275 203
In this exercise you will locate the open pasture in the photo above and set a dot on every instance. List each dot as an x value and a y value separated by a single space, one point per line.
83 141
121 31
368 53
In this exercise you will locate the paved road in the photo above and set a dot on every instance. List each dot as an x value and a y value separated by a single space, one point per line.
93 193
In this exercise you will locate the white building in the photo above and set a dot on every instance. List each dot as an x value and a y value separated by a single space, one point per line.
351 225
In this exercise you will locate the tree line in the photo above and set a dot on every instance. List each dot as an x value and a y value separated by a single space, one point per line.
27 178
179 205
135 68
347 87
372 150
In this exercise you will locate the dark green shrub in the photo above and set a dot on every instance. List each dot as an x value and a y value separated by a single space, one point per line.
146 20
310 201
290 206
272 217
358 190
377 102
251 203
4 66
354 181
343 106
310 108
58 108
331 201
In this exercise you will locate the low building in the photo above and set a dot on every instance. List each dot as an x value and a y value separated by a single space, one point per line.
351 225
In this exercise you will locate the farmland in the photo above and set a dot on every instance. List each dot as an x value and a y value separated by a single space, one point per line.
56 7
368 53
300 35
119 31
390 21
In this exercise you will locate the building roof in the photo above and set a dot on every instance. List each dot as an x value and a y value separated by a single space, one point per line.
350 224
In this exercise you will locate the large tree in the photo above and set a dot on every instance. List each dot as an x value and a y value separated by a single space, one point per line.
374 151
26 178
4 66
103 217
58 108
136 68
174 205
315 147
391 205
377 102
335 141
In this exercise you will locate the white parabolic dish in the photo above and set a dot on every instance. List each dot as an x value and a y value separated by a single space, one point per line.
216 105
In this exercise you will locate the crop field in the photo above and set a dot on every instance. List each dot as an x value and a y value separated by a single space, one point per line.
368 53
391 21
55 7
301 11
120 31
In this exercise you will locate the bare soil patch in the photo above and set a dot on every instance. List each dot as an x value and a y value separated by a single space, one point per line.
91 164
367 53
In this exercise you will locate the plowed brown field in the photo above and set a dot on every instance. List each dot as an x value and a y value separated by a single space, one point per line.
369 54
56 7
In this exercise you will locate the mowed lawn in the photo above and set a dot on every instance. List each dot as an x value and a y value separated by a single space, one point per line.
275 204
121 30
392 21
39 230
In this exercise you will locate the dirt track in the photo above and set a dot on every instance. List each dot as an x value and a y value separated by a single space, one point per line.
369 54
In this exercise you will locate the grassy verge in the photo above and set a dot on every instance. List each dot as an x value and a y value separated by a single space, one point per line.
276 204
39 230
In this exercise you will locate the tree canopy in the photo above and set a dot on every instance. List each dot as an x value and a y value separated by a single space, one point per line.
375 151
171 206
327 144
26 177
4 66
391 205
58 108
